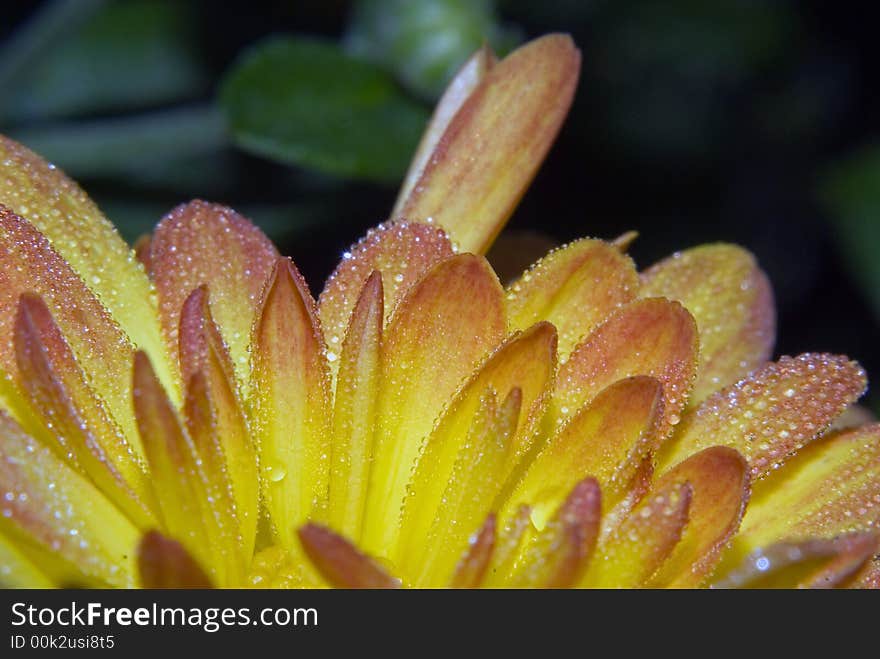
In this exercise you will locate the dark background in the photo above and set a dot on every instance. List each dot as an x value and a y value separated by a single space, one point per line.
694 122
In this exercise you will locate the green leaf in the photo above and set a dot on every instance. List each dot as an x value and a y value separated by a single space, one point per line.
303 101
851 191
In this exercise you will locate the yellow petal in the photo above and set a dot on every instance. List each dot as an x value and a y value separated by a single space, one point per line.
165 563
494 144
575 287
213 414
719 481
607 440
17 570
400 251
354 412
73 417
200 243
653 337
512 539
471 569
829 488
732 302
439 333
772 413
291 390
561 551
525 362
85 239
635 549
340 562
468 78
29 264
67 527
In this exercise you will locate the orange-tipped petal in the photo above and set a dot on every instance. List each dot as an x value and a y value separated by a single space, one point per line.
637 548
292 393
608 439
719 479
653 337
772 413
471 569
575 287
72 416
559 554
831 487
624 240
340 562
59 210
468 78
732 302
165 563
427 551
495 143
806 564
439 333
525 362
400 251
354 411
64 523
213 411
29 264
200 243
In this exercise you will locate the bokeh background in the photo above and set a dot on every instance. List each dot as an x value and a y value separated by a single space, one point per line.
752 121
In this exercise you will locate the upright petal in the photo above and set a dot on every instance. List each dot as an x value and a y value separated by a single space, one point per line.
292 396
440 332
164 563
773 412
206 244
17 570
495 143
84 238
575 287
340 562
471 569
732 302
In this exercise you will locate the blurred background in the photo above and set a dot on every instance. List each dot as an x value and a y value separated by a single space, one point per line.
751 121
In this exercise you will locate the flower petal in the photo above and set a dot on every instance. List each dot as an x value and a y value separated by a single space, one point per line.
561 551
439 333
291 390
73 417
468 78
17 570
401 251
200 243
29 264
495 143
354 411
471 569
772 413
732 302
653 337
575 287
68 527
213 413
719 480
59 210
525 362
340 562
636 549
513 538
165 563
607 440
829 488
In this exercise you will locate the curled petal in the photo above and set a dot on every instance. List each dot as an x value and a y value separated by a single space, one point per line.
772 413
164 563
732 302
340 562
471 569
575 287
492 147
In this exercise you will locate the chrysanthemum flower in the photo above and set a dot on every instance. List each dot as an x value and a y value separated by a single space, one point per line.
190 415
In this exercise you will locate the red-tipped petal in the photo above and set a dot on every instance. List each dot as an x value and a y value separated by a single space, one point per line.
471 569
493 146
164 563
340 562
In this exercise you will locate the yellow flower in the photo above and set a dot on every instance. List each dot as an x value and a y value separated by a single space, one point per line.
191 416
